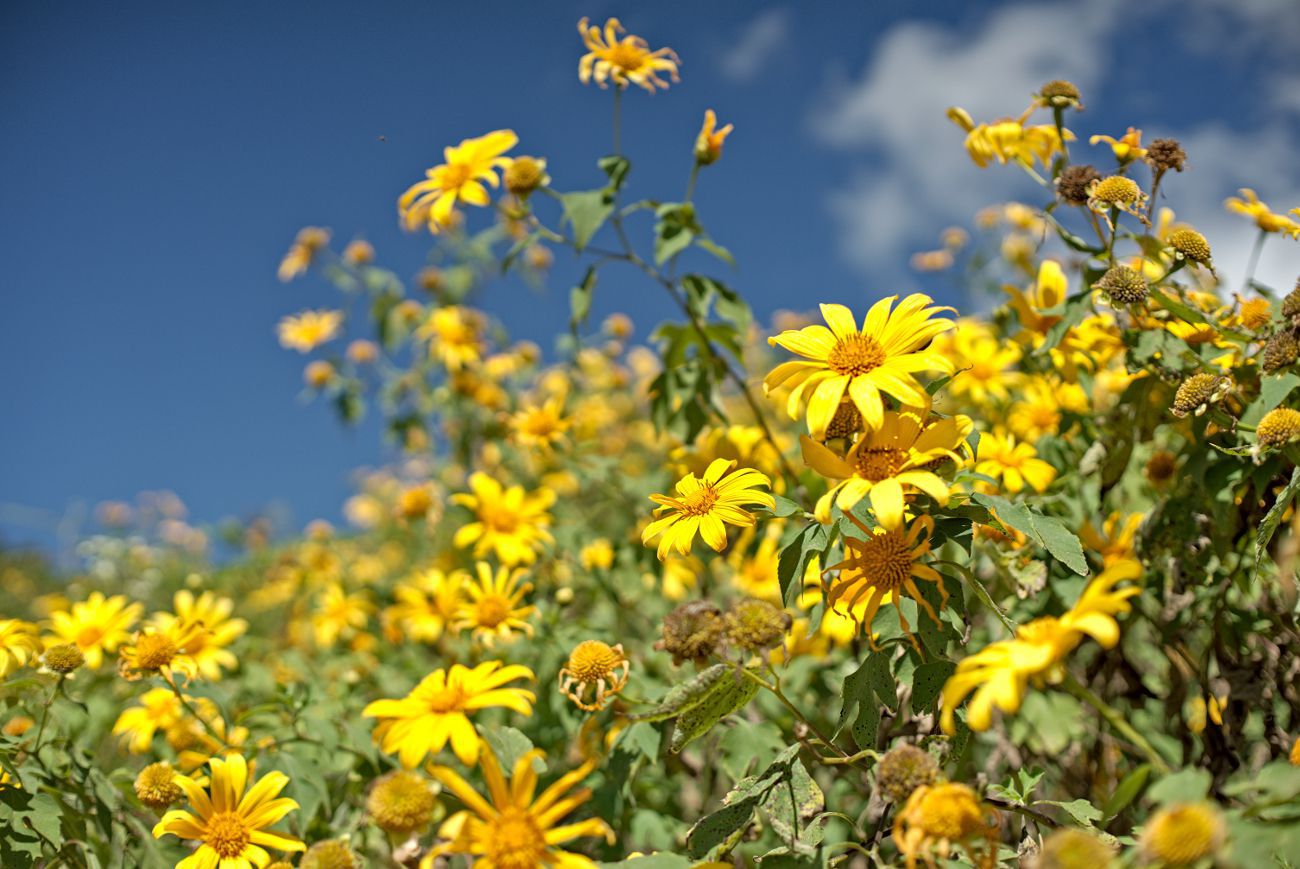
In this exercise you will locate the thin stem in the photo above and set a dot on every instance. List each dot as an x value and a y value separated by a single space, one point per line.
1253 262
794 710
185 703
1117 721
45 714
690 182
618 120
1022 810
1158 175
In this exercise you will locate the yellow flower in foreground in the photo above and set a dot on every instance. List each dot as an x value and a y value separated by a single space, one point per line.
454 334
883 567
706 505
513 828
494 608
940 816
708 144
309 330
1000 456
1000 673
1127 147
159 709
1009 139
230 818
95 625
511 522
1265 218
879 358
208 648
459 179
623 60
889 463
163 651
436 711
18 645
310 241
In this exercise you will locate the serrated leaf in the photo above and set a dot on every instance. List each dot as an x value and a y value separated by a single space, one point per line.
1273 518
1048 531
1083 812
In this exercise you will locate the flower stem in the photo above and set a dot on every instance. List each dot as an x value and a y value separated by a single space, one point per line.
1117 721
45 715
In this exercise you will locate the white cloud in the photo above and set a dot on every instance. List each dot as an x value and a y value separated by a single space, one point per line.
761 38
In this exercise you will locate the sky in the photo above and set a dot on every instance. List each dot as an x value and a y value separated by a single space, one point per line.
158 158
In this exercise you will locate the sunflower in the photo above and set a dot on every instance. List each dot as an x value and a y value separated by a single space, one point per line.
1126 148
158 709
454 334
892 461
706 505
540 425
985 366
339 614
436 711
1047 293
1265 218
1010 139
425 605
310 329
95 625
493 608
511 522
1000 456
229 818
884 566
459 179
879 358
164 651
512 828
623 60
18 645
208 648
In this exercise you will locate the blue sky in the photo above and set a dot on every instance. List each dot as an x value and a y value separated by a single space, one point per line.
158 158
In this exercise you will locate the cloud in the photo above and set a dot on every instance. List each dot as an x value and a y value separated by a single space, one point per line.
761 38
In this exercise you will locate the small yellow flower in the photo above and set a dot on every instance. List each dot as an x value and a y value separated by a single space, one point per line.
1000 456
1117 193
359 252
156 786
523 175
1181 834
1049 290
708 144
1127 148
510 522
1116 541
706 505
515 827
96 625
229 819
493 607
206 648
623 61
540 425
437 711
339 615
310 329
19 645
455 336
942 816
302 253
1010 139
159 709
1266 219
460 178
426 605
597 555
597 666
164 651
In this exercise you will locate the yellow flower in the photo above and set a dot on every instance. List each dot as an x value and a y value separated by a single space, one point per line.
310 241
18 645
208 648
596 665
540 425
95 625
1038 410
1000 456
1127 148
940 816
309 330
1264 217
459 179
879 358
889 463
511 522
1116 539
706 505
159 709
1183 834
454 334
164 651
623 60
1047 293
339 614
985 364
426 605
494 608
436 711
708 144
999 674
1009 139
754 565
230 818
513 828
597 555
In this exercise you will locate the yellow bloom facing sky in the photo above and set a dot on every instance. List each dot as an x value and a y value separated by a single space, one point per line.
208 648
514 827
460 178
1015 464
1009 140
229 818
705 506
454 334
493 607
511 523
1265 218
878 359
95 626
437 711
623 61
310 329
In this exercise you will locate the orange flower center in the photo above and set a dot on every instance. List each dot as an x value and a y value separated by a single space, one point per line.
501 520
514 842
449 699
154 651
856 355
626 55
89 636
700 502
593 660
880 464
883 560
455 175
491 610
227 834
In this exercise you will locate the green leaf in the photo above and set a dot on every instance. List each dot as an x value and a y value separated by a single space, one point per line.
1077 308
1274 517
927 682
1049 532
738 806
1127 791
615 167
1179 309
1184 786
683 696
1083 812
675 229
728 694
586 211
509 744
793 560
792 804
1273 390
651 861
717 250
580 299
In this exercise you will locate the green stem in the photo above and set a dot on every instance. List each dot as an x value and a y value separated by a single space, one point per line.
45 715
776 692
185 703
618 120
1253 262
1112 716
690 182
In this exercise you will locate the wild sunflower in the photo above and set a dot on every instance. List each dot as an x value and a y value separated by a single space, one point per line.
425 605
19 645
455 336
540 425
96 625
229 818
164 652
339 615
708 144
864 363
158 709
1116 540
1002 457
706 505
595 668
511 522
436 711
302 253
1032 306
459 178
623 61
208 650
493 608
890 462
1009 139
985 366
940 817
883 567
1265 218
512 828
1126 148
310 329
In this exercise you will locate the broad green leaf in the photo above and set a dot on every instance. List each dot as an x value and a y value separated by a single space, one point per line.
1127 791
1274 517
586 211
580 299
681 697
1184 786
738 806
1083 812
509 744
1049 532
728 694
791 805
927 682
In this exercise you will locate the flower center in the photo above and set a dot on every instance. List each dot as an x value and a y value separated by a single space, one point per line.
89 636
227 834
880 464
948 816
884 560
491 610
626 56
449 699
153 651
454 175
593 660
856 355
700 502
514 842
499 519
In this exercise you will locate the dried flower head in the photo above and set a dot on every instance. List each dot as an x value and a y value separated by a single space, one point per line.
692 632
1160 468
64 658
1074 848
1073 183
1059 94
1166 154
903 769
755 625
156 786
1197 393
525 174
331 854
1123 285
597 666
1281 350
1291 305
